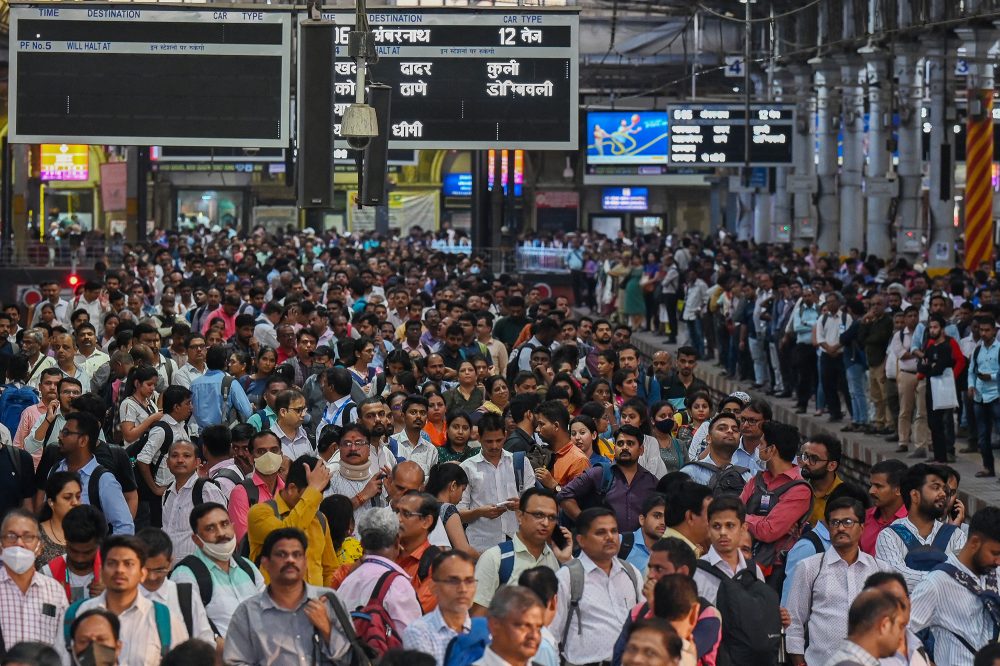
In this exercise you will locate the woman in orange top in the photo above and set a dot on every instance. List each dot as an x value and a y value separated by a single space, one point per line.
435 426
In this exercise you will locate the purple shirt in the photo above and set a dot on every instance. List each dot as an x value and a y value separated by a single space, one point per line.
623 498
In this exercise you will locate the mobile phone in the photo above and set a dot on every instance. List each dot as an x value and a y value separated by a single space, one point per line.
558 538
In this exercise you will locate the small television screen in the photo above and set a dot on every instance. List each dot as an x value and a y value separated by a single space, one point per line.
457 185
625 198
627 137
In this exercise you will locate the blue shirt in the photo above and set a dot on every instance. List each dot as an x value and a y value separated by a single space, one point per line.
703 476
639 556
112 499
803 320
751 462
920 339
802 549
206 398
986 360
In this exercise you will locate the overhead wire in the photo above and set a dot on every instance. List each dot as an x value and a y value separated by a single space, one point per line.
727 17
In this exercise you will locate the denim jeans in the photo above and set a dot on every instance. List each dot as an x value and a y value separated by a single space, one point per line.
856 386
697 338
987 418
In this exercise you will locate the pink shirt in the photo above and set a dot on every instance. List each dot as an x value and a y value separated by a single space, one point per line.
777 526
230 323
28 419
401 600
239 504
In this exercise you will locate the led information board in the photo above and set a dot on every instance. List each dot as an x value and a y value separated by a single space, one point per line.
470 79
134 75
713 134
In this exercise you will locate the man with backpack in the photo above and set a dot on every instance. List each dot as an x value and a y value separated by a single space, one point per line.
77 443
453 572
17 396
621 486
48 392
303 623
150 450
47 427
217 397
418 514
178 597
826 584
297 505
716 470
545 333
217 449
686 515
377 581
79 570
262 419
187 491
16 466
529 548
726 522
957 602
778 500
652 524
596 592
221 578
919 542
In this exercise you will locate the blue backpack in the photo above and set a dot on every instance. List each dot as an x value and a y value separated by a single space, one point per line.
466 649
921 557
13 401
160 613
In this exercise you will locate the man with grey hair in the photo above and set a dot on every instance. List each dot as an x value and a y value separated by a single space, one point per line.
829 328
379 532
515 617
34 344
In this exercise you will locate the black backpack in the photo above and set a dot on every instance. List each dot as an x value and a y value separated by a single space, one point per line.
203 577
136 447
514 362
767 553
728 481
751 618
628 543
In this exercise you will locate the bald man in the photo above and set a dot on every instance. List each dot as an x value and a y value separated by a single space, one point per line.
405 476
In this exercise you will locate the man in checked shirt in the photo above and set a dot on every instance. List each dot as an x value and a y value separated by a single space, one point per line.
32 606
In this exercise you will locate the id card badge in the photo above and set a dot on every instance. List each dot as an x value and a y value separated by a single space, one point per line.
765 502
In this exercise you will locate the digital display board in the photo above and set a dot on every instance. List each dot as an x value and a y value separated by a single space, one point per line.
64 161
457 185
470 79
625 198
626 137
714 134
135 75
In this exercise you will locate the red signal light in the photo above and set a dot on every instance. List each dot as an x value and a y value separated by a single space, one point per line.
74 280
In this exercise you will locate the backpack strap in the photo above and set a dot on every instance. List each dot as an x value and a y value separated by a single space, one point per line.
943 537
519 470
94 487
359 656
184 599
607 476
253 492
908 538
15 462
230 474
628 543
630 572
202 576
382 586
814 539
702 565
576 581
161 453
506 561
198 492
424 565
68 618
244 564
162 615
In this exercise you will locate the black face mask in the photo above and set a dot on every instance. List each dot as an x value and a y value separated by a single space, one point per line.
96 655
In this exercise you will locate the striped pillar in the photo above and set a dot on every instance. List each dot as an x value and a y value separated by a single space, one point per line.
978 185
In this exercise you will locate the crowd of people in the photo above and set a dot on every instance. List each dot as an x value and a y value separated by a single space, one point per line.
303 448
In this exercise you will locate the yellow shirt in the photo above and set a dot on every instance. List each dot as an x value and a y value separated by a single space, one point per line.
671 532
321 558
819 503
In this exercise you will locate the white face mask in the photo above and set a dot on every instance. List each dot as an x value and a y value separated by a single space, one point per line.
220 551
18 559
268 464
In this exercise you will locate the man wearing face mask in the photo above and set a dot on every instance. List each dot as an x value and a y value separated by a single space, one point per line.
32 605
94 638
222 579
260 486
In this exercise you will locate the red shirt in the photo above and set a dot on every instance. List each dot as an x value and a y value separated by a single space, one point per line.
410 563
873 525
780 523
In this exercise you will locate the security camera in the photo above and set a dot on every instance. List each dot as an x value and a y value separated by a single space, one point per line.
359 125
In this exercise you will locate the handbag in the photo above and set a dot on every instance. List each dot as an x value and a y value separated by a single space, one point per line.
943 392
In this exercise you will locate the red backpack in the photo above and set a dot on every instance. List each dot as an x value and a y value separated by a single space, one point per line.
372 623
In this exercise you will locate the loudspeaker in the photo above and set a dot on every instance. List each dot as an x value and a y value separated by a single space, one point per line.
314 172
377 150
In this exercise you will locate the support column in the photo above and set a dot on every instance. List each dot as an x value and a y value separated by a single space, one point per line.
941 165
781 220
909 170
803 152
828 122
852 212
20 168
978 147
879 189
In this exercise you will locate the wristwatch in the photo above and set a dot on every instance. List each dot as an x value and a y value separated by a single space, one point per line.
558 488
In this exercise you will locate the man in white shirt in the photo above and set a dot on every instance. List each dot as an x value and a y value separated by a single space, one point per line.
588 629
875 628
829 328
290 410
910 651
123 566
265 331
925 495
186 492
726 523
89 356
826 584
183 601
412 443
151 462
954 600
335 383
912 422
355 478
516 617
494 489
195 366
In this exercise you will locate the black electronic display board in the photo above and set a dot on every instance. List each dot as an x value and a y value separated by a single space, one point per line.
149 75
470 79
714 134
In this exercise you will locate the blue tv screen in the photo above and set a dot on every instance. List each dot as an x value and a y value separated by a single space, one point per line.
626 137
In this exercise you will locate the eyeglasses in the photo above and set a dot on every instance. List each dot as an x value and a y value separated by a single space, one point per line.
300 410
846 522
360 444
744 419
542 517
456 582
11 538
407 514
810 458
